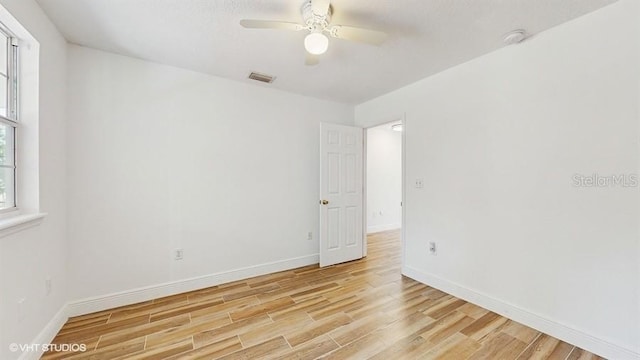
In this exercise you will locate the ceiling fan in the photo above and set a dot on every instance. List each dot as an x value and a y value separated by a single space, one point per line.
316 16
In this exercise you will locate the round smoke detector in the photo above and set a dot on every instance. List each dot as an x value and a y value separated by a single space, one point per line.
515 37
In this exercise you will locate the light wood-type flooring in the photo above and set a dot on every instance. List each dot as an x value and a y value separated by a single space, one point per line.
358 310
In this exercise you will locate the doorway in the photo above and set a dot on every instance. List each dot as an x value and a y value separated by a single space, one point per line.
353 159
384 177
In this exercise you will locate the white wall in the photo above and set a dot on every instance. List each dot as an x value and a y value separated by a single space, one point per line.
384 178
27 258
162 158
497 141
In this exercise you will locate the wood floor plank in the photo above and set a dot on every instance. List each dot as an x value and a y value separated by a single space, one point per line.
329 279
472 310
490 330
287 289
443 309
347 289
511 350
271 278
84 324
196 326
249 292
363 348
295 282
480 324
313 291
442 348
541 348
378 280
409 306
447 326
304 306
215 292
265 350
561 351
375 307
162 352
285 325
318 328
143 330
336 307
211 351
152 308
312 350
359 328
411 325
356 310
186 309
227 306
461 350
406 348
263 308
235 328
172 299
520 332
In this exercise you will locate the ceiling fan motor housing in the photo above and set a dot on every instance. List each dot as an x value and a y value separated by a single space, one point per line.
313 20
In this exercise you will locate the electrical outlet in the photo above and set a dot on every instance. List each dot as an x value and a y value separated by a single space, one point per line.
432 248
310 235
419 183
47 286
178 254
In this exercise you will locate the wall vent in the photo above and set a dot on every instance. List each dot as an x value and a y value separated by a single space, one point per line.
261 77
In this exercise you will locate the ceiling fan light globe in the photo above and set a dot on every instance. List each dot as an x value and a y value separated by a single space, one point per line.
316 43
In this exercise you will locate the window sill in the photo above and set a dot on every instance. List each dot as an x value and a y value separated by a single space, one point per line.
20 222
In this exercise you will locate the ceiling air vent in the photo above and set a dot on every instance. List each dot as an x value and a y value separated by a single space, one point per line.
261 77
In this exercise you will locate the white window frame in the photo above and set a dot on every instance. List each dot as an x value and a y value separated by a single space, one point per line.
12 108
25 120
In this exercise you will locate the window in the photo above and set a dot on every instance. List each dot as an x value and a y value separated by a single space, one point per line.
8 118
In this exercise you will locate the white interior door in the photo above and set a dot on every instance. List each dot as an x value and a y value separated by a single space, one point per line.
341 194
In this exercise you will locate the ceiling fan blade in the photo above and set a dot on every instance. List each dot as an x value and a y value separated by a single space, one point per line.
311 59
320 7
267 24
351 33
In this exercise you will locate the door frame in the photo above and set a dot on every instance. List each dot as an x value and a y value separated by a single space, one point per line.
403 120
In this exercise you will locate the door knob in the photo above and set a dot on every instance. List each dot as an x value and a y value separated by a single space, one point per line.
324 202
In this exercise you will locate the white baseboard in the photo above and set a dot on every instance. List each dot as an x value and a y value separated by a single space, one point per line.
563 332
108 301
378 228
47 334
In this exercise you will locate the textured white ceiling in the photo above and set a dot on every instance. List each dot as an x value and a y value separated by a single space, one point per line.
426 37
